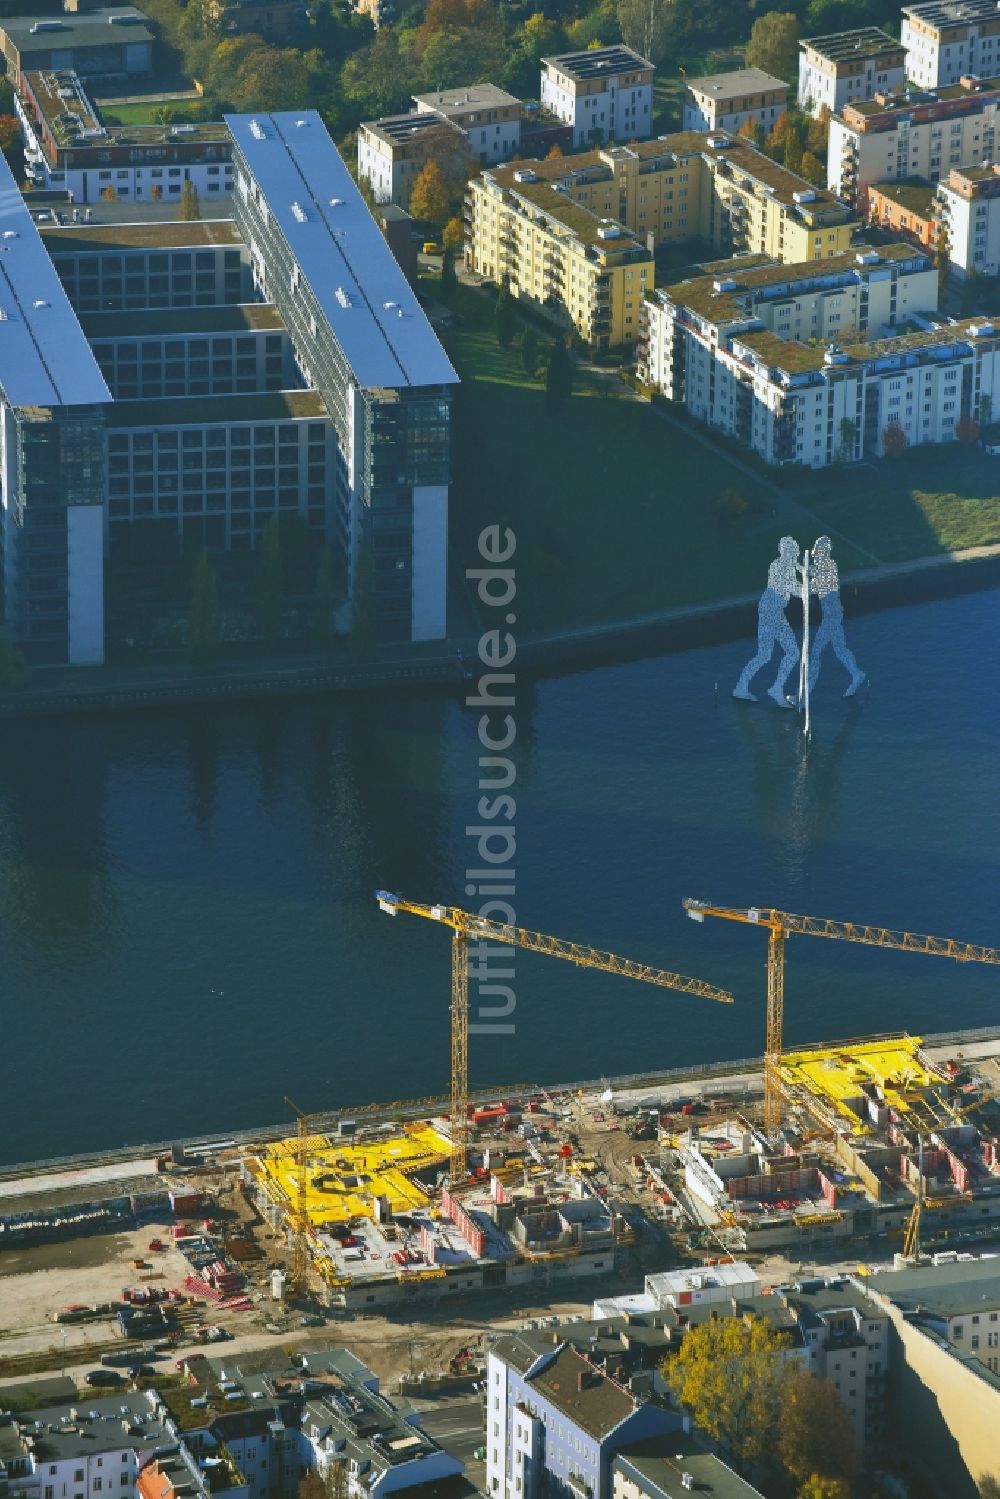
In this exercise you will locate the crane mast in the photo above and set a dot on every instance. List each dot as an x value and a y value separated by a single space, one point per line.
465 926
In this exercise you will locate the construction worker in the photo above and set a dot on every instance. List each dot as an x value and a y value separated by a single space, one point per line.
824 582
773 627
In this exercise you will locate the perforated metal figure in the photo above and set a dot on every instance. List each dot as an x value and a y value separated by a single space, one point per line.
773 628
824 582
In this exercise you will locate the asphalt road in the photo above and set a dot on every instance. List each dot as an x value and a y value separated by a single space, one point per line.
456 1424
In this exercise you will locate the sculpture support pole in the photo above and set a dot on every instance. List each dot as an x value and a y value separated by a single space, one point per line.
804 658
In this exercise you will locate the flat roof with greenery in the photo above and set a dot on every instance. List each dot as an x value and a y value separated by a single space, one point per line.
250 317
204 411
912 193
169 235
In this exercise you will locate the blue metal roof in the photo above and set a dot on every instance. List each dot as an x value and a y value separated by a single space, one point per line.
340 251
45 360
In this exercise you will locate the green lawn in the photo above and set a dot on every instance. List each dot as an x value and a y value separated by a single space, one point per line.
143 114
938 499
614 510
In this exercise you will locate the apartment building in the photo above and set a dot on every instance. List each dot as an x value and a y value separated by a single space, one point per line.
393 151
945 1360
907 209
610 209
728 101
555 1421
488 117
107 42
948 39
68 148
460 128
580 271
276 20
813 374
967 208
894 137
605 94
671 1467
846 66
846 1340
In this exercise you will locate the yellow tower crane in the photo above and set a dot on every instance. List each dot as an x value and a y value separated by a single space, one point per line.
911 1235
299 1215
779 925
464 926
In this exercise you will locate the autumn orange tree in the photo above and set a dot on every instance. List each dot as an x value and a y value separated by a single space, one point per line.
894 442
815 1435
430 198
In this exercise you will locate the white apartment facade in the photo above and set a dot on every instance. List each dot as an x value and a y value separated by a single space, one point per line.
489 118
968 206
946 39
846 1340
890 140
728 101
845 66
743 367
393 151
605 94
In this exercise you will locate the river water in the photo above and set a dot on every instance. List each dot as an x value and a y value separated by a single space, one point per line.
188 932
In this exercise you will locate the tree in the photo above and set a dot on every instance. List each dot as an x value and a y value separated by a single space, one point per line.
530 352
558 378
453 234
774 44
11 144
554 152
779 132
988 1486
504 314
967 429
818 133
311 1486
430 198
190 207
109 194
645 26
985 417
793 152
156 192
729 1376
893 440
376 78
942 253
815 1435
848 432
324 597
818 1487
270 583
811 168
753 131
203 625
448 278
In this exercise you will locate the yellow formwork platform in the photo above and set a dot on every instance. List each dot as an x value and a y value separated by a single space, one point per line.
836 1076
345 1178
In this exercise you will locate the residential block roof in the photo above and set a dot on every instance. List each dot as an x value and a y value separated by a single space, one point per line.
340 251
951 12
849 46
203 411
89 28
736 85
246 317
596 1403
597 62
948 1290
174 234
659 1464
912 193
469 99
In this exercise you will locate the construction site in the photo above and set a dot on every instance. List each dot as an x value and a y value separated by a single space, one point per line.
859 1151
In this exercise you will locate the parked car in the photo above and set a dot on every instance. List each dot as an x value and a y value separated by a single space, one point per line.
104 1377
431 247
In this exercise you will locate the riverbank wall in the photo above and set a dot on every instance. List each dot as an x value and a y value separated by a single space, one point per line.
109 689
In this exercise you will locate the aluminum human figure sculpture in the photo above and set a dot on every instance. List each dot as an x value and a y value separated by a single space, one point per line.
773 628
824 582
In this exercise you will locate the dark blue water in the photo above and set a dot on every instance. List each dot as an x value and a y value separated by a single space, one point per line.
185 914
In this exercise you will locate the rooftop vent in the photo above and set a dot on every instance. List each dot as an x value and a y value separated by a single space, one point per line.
299 213
982 330
343 298
687 1480
525 174
867 257
724 283
833 355
47 26
336 202
807 195
41 302
257 130
300 123
609 231
718 142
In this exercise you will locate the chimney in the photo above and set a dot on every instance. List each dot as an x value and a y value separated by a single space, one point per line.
581 1380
